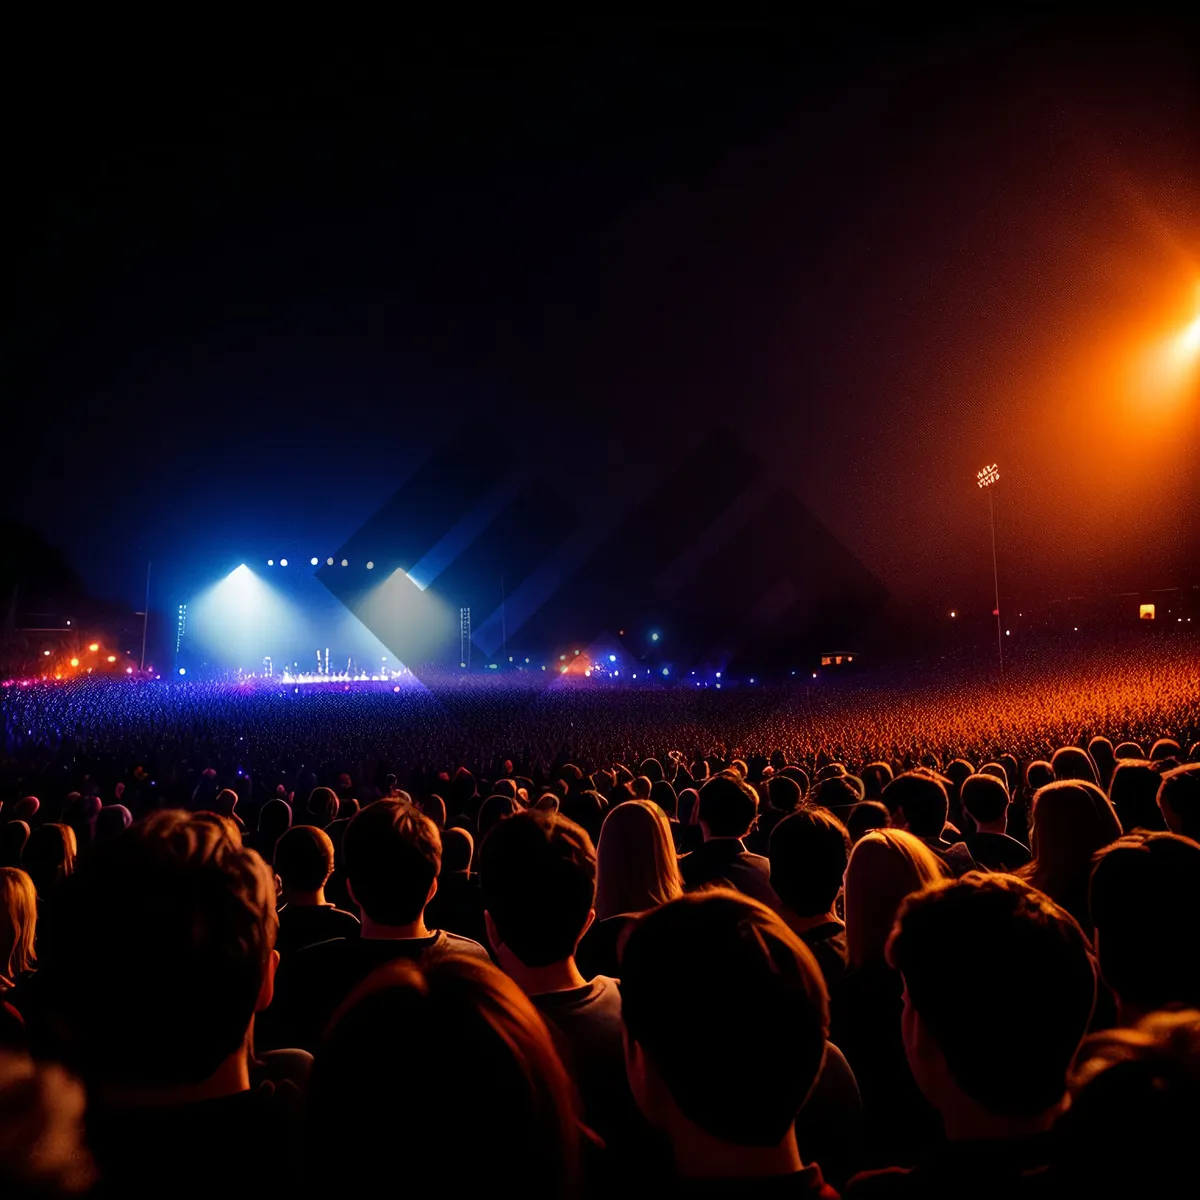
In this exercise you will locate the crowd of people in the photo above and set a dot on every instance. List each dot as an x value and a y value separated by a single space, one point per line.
864 940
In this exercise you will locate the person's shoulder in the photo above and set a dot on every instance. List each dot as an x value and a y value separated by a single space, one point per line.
455 943
758 861
888 1181
321 955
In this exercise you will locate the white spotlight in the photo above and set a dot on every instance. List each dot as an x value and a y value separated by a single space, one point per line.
370 566
283 562
314 561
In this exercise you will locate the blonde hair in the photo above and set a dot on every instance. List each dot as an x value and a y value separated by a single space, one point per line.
18 922
885 866
1070 820
636 866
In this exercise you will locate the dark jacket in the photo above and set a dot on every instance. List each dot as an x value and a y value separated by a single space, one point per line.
726 860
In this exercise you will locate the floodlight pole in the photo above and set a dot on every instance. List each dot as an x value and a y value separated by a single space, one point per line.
996 579
145 620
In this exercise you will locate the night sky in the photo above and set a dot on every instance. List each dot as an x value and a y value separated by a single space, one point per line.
252 294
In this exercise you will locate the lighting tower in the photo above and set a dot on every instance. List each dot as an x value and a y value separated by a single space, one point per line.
986 479
464 637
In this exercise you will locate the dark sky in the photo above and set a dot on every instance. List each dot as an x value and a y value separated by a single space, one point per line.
250 294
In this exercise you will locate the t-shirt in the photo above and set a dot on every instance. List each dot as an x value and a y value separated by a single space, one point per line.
457 906
247 1144
306 925
309 988
828 944
1002 1168
998 851
585 1023
865 1011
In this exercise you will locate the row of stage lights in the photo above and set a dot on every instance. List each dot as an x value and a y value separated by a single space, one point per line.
316 562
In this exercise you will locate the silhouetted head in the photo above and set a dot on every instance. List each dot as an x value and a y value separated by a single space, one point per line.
274 818
304 858
1145 905
322 806
538 875
457 848
1179 800
696 975
113 819
728 805
999 989
1071 763
393 855
189 914
870 814
809 851
918 801
49 856
478 1049
1133 791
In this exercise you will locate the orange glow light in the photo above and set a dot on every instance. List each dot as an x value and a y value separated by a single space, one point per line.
112 658
94 647
74 662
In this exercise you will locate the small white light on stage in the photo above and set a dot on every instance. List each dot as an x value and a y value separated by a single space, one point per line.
718 674
718 687
370 566
577 653
128 670
183 670
112 658
616 673
666 670
270 562
510 658
751 678
527 660
587 674
543 666
814 674
953 613
1008 633
345 562
463 665
68 622
612 658
283 562
562 658
654 637
94 647
329 562
395 689
563 670
314 561
46 653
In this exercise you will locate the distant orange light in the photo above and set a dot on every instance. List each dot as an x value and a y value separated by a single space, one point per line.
94 647
74 662
953 613
112 658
